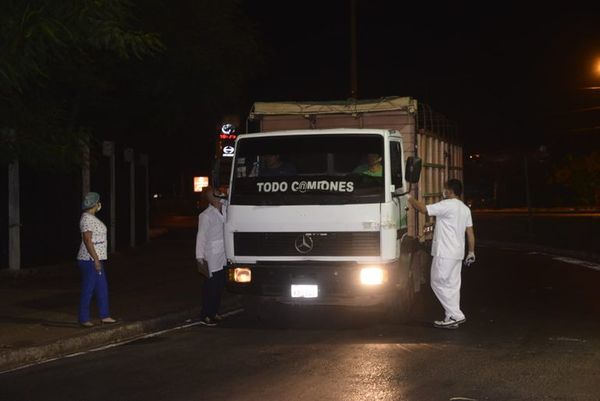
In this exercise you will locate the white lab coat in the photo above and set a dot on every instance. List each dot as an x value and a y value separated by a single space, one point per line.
452 217
210 244
448 249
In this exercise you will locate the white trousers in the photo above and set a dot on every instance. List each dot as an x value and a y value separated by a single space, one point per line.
445 283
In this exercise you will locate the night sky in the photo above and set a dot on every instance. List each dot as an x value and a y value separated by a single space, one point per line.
509 76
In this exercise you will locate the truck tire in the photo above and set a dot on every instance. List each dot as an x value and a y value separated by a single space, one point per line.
400 303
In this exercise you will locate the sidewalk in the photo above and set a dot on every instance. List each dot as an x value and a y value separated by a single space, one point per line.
151 287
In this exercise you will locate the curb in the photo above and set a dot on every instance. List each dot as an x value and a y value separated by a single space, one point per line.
589 256
98 337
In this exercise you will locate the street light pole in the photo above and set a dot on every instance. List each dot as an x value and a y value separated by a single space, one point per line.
130 158
144 161
528 198
108 150
14 214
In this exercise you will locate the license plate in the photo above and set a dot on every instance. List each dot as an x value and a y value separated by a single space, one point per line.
305 291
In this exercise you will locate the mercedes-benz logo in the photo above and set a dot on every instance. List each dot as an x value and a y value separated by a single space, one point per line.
304 243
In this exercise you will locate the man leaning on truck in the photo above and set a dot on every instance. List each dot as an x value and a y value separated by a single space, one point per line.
453 219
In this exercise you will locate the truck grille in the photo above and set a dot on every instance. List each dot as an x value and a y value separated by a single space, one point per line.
364 243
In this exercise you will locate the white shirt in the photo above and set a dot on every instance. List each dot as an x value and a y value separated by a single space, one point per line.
452 219
89 222
210 244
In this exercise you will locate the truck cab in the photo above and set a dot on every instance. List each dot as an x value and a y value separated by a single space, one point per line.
319 216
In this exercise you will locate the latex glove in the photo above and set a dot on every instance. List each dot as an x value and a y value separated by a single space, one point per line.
470 258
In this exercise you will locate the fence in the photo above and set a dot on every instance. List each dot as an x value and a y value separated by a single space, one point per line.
49 206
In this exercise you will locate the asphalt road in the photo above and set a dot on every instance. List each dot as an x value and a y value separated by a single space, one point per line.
533 333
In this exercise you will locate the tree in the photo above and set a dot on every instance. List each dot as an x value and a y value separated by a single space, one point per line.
581 175
45 42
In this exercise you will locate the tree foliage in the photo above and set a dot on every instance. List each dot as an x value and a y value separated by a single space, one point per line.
42 42
40 33
170 104
581 175
155 72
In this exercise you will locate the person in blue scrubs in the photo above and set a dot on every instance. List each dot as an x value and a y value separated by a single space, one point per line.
90 259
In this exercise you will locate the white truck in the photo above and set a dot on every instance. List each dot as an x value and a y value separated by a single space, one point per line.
317 206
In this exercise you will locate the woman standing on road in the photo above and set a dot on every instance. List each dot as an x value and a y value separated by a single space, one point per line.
90 259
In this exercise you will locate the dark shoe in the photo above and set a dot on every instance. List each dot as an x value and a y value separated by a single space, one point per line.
108 320
87 325
208 322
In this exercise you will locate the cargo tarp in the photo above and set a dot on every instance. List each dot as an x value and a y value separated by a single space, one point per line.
345 107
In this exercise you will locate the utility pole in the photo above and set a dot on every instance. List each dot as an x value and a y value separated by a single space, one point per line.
528 198
354 51
146 164
14 215
129 157
85 170
108 150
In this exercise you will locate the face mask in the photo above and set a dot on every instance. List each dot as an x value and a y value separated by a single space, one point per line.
445 194
99 207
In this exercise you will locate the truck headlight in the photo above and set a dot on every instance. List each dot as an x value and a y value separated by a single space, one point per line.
373 275
240 275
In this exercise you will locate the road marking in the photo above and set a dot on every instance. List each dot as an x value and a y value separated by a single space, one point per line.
569 260
579 262
538 253
188 323
568 339
564 259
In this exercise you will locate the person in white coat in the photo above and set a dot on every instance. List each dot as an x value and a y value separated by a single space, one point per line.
453 220
210 250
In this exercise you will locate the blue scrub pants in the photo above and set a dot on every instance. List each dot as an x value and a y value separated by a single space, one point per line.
212 289
92 283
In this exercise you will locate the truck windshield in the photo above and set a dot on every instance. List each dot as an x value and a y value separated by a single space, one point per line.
308 170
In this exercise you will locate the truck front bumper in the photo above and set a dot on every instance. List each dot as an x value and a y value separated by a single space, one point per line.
338 283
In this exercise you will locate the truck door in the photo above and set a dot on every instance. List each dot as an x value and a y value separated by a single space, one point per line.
398 182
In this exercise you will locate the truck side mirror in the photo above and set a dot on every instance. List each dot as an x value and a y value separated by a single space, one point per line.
412 172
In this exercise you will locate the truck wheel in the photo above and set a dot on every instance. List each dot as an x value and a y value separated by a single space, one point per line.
400 303
399 308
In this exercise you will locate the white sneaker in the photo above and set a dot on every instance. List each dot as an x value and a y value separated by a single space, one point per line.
448 323
208 322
